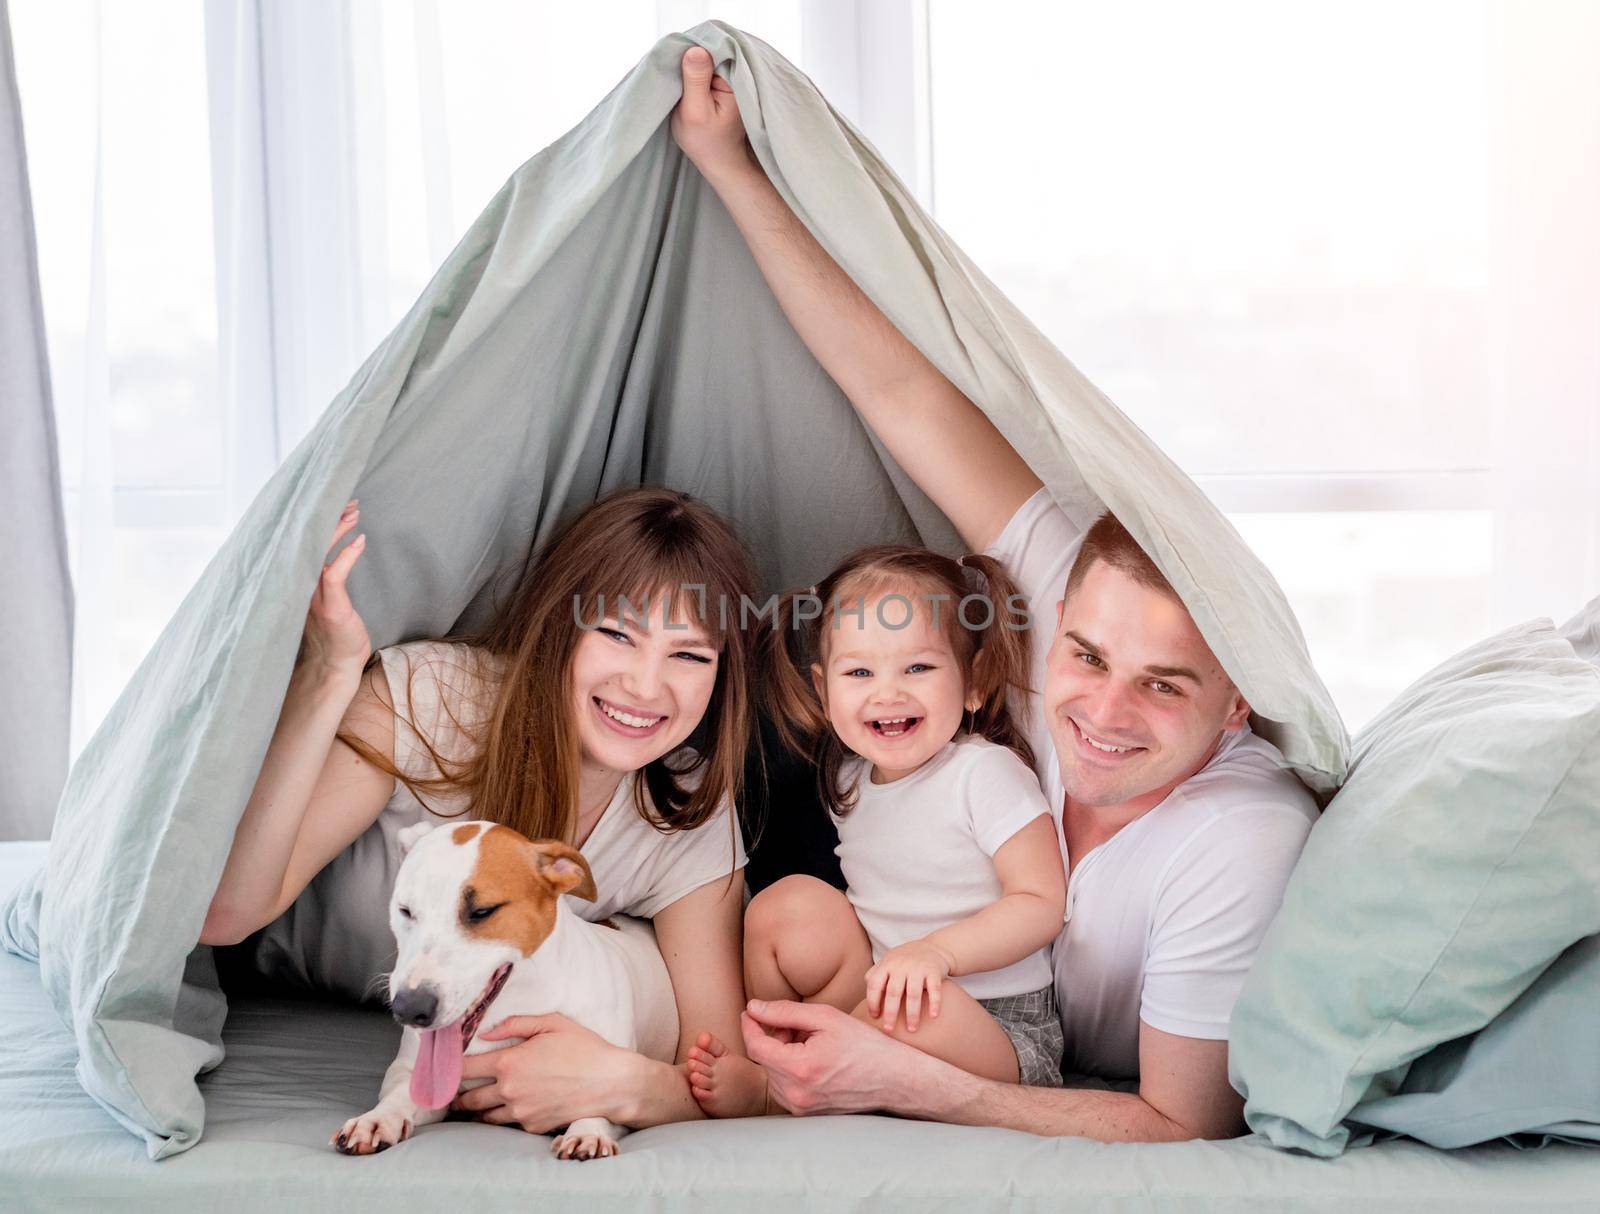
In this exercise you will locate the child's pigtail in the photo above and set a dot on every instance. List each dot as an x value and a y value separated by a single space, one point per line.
1002 653
787 650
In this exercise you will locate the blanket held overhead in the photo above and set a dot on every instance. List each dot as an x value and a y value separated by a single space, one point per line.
600 325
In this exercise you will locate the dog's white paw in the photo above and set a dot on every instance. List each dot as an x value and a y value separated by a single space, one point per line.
372 1132
583 1146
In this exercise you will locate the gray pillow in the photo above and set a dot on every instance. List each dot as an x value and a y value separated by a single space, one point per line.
1531 1076
1460 858
1534 1073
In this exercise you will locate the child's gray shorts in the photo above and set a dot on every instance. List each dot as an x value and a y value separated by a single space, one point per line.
1031 1022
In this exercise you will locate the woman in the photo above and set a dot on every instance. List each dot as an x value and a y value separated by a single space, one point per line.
604 705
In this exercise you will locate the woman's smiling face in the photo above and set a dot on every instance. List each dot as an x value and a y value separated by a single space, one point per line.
641 682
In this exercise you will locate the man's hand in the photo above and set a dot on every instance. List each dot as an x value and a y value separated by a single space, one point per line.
903 975
706 121
822 1060
547 1081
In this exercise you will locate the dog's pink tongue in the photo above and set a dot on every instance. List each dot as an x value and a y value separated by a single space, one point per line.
436 1078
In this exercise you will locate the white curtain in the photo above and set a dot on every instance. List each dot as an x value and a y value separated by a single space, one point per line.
123 212
36 600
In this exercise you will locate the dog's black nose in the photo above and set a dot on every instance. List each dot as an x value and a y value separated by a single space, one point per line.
416 1006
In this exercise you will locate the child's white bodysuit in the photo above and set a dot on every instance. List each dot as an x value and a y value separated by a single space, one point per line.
918 853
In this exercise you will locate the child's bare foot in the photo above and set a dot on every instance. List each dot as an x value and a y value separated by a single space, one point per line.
724 1083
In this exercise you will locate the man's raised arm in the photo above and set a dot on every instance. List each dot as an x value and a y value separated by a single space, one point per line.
942 440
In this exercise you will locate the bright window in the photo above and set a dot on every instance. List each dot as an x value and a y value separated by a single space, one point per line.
1277 237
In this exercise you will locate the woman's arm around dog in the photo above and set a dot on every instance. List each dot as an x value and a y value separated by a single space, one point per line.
563 1070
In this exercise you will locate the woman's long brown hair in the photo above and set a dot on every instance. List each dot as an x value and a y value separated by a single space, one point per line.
523 769
993 657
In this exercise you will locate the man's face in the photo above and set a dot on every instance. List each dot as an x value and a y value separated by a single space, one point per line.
1134 697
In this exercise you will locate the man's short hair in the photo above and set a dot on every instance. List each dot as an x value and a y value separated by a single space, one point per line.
1109 541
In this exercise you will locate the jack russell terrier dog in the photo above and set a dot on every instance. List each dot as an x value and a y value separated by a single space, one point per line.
480 917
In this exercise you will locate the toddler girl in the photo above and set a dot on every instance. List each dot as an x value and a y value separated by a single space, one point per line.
893 675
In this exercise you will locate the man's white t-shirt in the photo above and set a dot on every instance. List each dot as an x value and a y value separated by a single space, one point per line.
1164 918
918 853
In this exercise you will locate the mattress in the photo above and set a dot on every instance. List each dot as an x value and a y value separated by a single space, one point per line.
295 1070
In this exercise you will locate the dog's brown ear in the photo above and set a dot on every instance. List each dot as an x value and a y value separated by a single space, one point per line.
564 869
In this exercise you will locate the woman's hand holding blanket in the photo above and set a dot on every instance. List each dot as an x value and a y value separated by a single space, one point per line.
903 975
335 638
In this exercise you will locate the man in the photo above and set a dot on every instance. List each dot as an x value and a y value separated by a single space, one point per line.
1179 825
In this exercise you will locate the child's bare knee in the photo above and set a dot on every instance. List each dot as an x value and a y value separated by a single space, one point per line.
794 901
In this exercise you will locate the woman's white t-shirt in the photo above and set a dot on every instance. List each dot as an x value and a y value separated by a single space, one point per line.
336 936
918 853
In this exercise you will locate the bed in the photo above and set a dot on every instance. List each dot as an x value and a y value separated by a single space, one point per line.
296 1069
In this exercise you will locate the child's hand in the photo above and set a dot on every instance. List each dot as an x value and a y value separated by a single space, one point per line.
902 976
